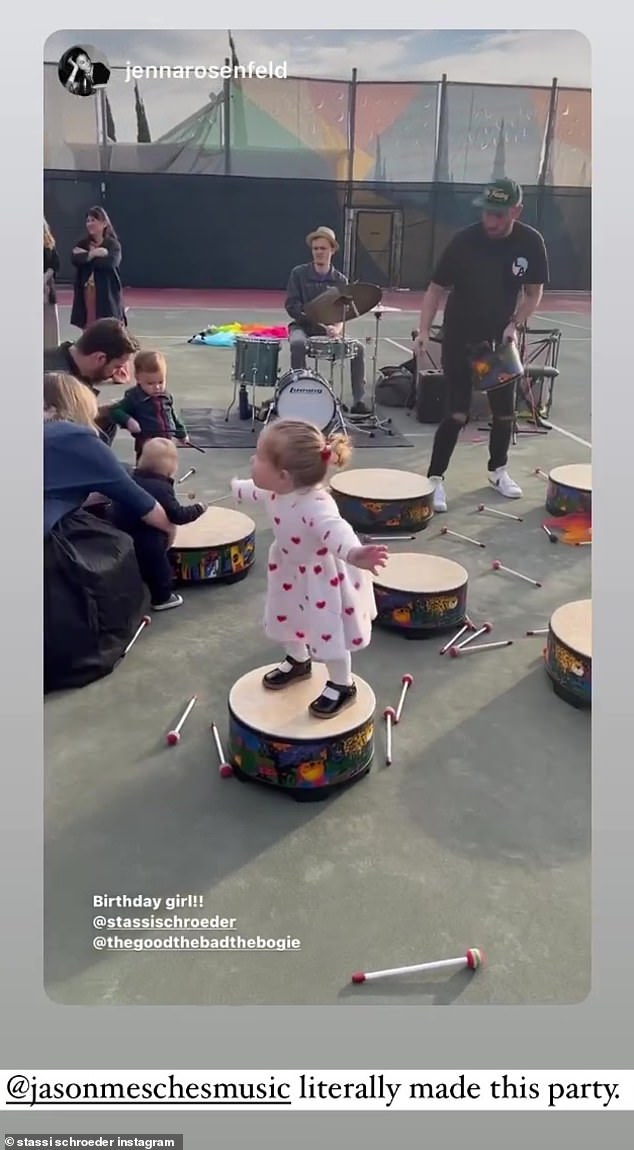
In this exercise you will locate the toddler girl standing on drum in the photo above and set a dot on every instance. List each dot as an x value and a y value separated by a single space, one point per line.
320 599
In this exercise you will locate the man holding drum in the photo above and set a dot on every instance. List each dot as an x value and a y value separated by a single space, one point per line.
306 283
491 278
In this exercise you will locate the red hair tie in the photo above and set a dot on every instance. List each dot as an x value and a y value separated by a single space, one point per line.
326 453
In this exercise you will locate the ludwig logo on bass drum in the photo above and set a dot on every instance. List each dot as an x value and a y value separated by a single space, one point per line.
305 390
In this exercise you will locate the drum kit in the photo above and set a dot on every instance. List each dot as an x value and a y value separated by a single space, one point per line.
305 393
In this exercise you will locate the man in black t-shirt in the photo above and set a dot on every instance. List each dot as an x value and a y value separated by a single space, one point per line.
491 279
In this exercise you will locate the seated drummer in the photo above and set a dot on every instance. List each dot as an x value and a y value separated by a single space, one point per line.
155 474
102 354
306 282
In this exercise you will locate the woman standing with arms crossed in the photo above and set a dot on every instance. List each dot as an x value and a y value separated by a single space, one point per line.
98 291
51 269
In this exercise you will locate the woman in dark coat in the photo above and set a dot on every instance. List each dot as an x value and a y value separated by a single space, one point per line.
98 292
51 269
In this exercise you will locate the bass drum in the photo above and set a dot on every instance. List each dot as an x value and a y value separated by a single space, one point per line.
305 395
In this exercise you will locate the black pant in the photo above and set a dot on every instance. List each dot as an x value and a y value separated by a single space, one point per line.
456 365
151 546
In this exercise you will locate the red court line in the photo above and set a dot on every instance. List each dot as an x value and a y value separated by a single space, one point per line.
170 299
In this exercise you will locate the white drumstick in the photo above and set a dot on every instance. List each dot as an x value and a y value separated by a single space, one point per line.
456 651
472 960
389 715
497 566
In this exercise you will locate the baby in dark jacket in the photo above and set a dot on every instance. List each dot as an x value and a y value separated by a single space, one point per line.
148 410
155 473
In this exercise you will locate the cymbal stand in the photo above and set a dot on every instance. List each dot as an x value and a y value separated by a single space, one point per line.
371 422
355 422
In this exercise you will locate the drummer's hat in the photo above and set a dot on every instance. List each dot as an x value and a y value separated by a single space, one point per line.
323 234
499 196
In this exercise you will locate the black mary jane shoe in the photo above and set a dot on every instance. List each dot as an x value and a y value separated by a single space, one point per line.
326 708
276 679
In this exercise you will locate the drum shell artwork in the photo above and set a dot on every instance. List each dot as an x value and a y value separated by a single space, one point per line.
329 754
215 560
569 669
321 347
417 614
390 514
303 394
564 498
256 360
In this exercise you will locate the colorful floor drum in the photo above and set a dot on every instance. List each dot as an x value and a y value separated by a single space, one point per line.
569 490
568 653
218 547
421 595
375 501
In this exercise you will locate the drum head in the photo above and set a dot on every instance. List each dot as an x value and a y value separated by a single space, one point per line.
381 485
575 475
421 574
572 625
305 395
216 528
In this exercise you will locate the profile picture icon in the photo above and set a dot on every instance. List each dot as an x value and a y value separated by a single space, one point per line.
81 73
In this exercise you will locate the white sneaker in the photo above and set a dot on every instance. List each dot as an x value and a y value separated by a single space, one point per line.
503 483
440 499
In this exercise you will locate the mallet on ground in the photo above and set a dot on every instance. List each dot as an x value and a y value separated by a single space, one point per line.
551 534
472 960
145 622
542 474
466 538
539 631
504 514
387 538
483 630
174 737
192 471
225 769
389 715
497 566
407 681
456 651
467 626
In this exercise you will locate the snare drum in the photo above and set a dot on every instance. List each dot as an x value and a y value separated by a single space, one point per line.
421 595
568 653
218 546
256 360
305 395
378 502
322 347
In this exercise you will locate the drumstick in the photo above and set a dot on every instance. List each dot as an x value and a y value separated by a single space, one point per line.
504 514
200 449
407 681
192 471
145 622
497 566
174 737
551 535
387 538
225 769
389 715
468 626
473 959
483 630
539 631
542 474
467 538
456 651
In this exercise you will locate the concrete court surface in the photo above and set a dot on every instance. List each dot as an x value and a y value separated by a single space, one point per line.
477 835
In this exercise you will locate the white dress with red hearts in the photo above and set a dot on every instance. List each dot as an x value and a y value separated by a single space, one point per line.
313 595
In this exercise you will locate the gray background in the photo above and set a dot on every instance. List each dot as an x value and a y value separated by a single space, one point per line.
598 1033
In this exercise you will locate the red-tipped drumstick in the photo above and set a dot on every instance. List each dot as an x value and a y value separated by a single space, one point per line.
224 768
145 622
472 960
389 715
467 626
483 630
407 681
192 471
497 566
539 631
542 474
174 737
504 514
456 651
466 538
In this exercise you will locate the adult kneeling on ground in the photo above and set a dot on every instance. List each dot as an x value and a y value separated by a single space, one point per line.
94 597
102 354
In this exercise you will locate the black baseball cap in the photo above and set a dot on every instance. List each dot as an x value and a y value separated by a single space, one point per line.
499 196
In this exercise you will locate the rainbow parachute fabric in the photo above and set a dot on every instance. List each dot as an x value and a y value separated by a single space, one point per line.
224 335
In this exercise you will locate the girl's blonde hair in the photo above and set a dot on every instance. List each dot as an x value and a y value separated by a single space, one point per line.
49 238
67 398
304 451
159 455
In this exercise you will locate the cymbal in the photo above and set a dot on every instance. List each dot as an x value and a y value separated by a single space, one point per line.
340 305
381 307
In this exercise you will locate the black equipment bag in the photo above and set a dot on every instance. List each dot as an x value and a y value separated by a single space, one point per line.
94 600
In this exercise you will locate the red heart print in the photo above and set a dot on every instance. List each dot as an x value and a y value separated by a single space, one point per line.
321 604
341 577
287 586
334 582
349 610
326 638
282 618
326 536
357 642
272 566
300 634
295 539
272 496
323 551
255 496
357 586
317 570
302 570
276 519
303 520
284 550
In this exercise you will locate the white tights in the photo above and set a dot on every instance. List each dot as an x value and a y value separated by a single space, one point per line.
339 670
